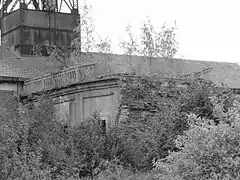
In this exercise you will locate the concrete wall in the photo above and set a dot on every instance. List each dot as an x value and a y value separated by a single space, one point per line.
10 22
41 19
25 28
77 103
8 87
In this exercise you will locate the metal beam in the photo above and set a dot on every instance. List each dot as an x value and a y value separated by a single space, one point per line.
8 6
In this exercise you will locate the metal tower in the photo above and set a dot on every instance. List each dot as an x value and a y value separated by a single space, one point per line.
25 23
65 6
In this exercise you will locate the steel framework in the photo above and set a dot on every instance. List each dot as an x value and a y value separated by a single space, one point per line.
66 6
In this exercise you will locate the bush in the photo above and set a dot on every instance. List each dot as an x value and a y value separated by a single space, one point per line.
133 144
17 160
197 98
207 150
36 145
158 114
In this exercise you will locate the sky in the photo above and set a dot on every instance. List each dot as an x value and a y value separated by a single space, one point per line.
207 29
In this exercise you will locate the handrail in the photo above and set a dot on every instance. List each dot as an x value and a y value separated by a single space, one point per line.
72 75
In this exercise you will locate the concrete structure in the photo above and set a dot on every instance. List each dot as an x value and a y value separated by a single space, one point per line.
79 90
14 69
27 23
77 93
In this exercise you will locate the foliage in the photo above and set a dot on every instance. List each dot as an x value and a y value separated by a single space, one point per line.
198 98
151 44
158 112
166 44
18 160
69 152
206 150
153 123
35 143
115 171
130 47
84 40
104 45
85 29
59 56
148 45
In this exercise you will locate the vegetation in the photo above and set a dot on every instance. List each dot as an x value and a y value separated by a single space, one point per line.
171 136
166 132
206 150
150 43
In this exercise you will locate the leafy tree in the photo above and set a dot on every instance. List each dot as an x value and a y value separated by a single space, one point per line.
17 160
130 47
158 43
206 150
148 44
85 32
166 44
152 43
197 98
157 115
104 45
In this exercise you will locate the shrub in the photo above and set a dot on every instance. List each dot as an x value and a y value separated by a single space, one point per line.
158 114
34 143
17 160
206 150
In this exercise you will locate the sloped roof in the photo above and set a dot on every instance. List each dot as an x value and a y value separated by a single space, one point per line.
226 73
222 72
11 64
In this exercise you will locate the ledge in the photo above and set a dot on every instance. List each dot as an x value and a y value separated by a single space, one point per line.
12 79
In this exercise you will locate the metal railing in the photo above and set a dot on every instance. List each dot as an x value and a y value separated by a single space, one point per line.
72 75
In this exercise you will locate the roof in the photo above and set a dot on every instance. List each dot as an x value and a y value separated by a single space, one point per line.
11 64
221 72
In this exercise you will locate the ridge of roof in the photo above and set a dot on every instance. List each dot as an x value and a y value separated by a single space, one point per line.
14 65
155 58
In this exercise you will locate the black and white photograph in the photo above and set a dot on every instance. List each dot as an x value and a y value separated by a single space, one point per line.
119 90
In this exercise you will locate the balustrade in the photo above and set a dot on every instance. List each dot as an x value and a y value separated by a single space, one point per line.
72 75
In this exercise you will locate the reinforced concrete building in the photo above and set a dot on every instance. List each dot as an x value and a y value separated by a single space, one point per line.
82 89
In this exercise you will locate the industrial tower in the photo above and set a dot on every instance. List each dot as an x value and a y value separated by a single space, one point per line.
26 23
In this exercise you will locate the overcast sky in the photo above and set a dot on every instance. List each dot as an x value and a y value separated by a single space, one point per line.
207 29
